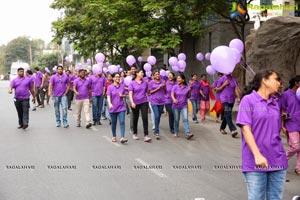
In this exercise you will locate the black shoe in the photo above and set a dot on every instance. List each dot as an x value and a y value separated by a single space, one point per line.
78 125
89 125
25 126
99 123
95 123
20 126
33 109
70 109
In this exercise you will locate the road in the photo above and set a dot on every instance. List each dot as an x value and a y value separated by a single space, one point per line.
45 162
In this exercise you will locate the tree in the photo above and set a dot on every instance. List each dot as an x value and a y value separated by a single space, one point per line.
48 60
119 27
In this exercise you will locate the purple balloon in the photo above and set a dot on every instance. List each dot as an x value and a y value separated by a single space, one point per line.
100 57
298 93
130 60
148 74
147 67
107 63
68 59
162 72
121 70
151 60
207 56
237 55
89 61
173 61
181 65
175 68
105 70
210 70
237 44
127 80
113 69
140 59
200 56
223 60
96 69
167 73
181 56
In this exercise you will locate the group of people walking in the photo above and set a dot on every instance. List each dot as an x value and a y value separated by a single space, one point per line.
264 111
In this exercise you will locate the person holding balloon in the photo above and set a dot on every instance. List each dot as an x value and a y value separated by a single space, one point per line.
180 94
117 108
195 96
157 90
139 102
171 82
228 89
290 103
264 161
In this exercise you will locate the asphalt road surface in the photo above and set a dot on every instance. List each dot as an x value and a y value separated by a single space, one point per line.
45 162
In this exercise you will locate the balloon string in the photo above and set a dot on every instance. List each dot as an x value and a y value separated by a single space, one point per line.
202 64
248 66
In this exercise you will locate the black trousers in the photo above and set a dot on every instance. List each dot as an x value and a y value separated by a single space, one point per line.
38 96
136 112
44 94
70 96
22 106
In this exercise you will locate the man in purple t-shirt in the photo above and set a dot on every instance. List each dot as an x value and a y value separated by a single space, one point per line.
22 85
59 85
38 89
97 83
82 89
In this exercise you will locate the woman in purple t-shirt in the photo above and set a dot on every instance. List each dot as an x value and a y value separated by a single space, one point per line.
291 124
168 100
180 94
157 91
195 96
115 98
139 102
264 161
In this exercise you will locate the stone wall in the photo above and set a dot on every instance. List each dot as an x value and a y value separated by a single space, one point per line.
276 45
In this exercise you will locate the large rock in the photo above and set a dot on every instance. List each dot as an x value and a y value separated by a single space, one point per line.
275 45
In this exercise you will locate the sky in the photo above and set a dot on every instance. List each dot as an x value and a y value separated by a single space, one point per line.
26 18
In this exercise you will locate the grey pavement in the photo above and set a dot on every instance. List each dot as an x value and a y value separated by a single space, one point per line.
87 156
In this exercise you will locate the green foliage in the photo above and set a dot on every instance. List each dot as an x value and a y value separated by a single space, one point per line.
119 27
48 60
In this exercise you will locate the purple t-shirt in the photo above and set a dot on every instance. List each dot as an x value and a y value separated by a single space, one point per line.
205 90
227 95
169 86
265 121
60 84
38 79
181 94
291 105
157 98
117 101
22 87
139 91
195 92
82 87
97 84
71 77
215 85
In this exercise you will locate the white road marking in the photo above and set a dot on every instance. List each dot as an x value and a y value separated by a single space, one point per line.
155 171
109 139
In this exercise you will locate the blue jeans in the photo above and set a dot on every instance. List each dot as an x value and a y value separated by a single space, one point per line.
97 107
104 108
195 105
61 101
114 119
265 185
157 110
184 112
227 117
